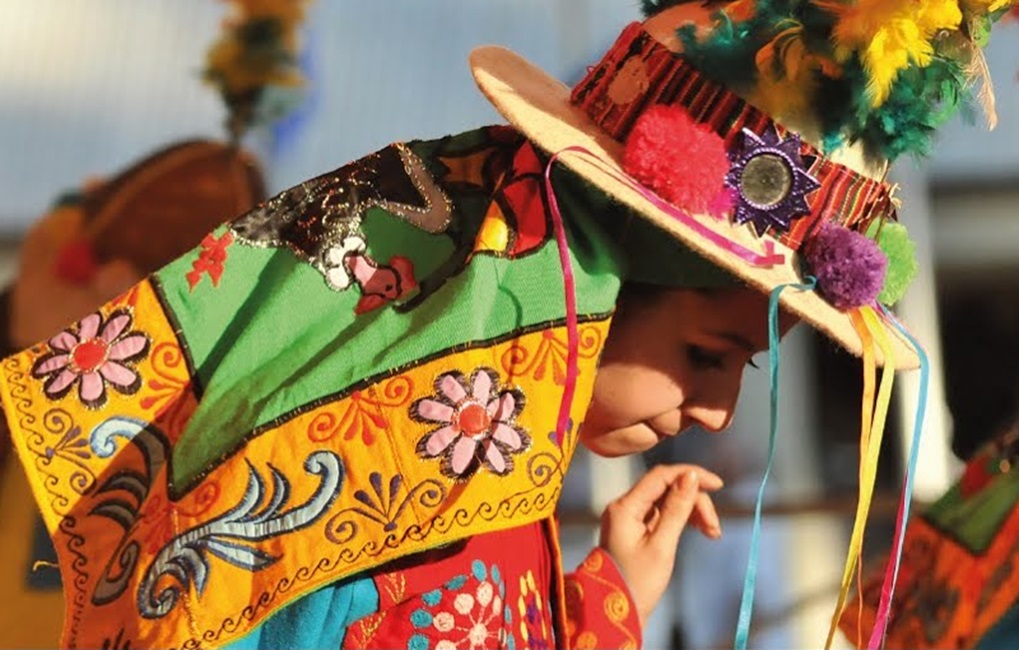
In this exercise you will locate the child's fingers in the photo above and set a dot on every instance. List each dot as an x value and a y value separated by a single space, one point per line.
655 485
677 506
707 480
706 517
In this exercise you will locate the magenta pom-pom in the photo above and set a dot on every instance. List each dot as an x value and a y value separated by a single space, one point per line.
684 162
849 267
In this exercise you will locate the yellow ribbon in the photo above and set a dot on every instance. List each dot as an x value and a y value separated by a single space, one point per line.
874 414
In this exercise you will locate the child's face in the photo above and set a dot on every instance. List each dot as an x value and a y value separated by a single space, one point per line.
673 361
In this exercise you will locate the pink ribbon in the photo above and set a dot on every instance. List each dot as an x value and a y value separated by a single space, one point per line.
569 287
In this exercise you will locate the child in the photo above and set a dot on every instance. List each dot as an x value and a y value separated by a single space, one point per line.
345 419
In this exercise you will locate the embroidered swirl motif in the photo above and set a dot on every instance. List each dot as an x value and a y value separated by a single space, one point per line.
516 506
123 494
93 354
383 508
362 416
255 518
167 387
550 355
478 424
71 447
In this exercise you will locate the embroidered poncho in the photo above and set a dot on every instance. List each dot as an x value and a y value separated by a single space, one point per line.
366 366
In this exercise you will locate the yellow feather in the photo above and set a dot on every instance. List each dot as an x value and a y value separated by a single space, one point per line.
891 35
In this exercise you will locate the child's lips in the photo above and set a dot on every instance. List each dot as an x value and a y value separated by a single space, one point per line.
661 434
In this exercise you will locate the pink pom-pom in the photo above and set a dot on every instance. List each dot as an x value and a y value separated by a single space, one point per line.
684 162
849 267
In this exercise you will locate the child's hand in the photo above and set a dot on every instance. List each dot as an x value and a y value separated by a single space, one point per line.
641 529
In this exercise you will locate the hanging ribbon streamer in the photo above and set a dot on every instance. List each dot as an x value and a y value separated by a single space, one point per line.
750 580
868 469
877 635
569 288
866 410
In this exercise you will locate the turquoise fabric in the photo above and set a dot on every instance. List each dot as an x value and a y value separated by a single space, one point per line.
318 620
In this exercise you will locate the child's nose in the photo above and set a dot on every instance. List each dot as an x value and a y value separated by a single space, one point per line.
713 409
713 420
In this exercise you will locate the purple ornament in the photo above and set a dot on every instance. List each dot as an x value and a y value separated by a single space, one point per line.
770 180
849 267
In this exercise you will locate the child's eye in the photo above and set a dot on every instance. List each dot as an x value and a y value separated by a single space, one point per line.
703 359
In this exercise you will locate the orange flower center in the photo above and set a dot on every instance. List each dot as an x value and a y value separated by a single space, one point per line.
87 356
473 419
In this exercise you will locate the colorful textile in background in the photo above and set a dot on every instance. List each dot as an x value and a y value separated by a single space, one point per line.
366 366
958 578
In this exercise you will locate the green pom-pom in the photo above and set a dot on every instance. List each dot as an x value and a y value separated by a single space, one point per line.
893 239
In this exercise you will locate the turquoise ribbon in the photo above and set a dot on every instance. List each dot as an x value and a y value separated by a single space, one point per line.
750 581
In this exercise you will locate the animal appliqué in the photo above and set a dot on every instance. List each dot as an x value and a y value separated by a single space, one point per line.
347 264
320 221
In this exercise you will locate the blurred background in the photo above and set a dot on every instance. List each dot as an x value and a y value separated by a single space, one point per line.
89 86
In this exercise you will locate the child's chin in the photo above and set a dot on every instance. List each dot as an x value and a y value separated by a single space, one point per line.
621 442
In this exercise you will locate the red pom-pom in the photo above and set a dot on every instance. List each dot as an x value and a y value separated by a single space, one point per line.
77 262
684 162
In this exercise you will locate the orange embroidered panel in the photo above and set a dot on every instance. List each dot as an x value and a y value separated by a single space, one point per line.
450 448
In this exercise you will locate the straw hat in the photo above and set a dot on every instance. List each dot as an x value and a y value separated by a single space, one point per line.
784 193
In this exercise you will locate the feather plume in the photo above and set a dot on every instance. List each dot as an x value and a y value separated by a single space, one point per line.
886 73
979 74
890 35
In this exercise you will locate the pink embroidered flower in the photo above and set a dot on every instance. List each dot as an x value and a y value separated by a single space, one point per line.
93 354
478 423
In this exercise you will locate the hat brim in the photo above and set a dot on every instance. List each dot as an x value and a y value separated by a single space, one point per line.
539 106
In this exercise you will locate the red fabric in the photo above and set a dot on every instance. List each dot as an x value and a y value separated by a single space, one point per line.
600 612
497 591
472 594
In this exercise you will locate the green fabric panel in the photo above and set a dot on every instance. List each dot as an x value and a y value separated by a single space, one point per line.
274 337
974 521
